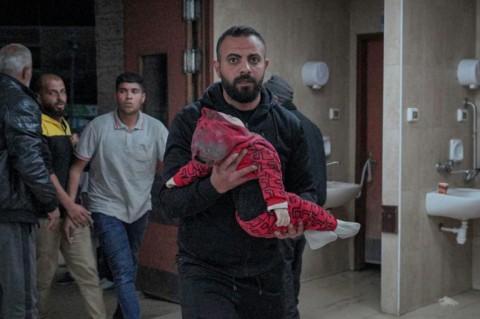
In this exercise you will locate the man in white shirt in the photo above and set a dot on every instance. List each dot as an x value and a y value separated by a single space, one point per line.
124 148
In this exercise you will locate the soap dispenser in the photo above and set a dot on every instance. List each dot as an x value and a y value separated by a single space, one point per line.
327 146
456 150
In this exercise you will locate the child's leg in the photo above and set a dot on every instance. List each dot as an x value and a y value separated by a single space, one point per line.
313 217
320 226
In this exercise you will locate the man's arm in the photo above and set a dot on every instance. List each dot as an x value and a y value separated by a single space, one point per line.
202 193
25 147
79 215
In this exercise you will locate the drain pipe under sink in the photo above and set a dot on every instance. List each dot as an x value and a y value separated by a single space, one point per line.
460 231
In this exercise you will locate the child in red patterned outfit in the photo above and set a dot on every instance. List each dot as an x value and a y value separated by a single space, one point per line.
218 135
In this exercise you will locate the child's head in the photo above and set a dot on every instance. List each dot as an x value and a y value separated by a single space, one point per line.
216 135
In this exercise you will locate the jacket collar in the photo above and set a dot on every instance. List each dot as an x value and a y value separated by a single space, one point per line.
213 98
63 124
19 85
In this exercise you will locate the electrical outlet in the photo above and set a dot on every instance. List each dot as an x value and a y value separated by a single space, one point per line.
334 114
412 114
462 115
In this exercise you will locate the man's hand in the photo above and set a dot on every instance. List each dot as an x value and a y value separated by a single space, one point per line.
79 215
68 228
226 176
53 216
291 233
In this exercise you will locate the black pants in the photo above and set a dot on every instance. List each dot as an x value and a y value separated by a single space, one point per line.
206 293
292 250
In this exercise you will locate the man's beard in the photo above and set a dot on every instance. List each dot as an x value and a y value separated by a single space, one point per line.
53 112
243 95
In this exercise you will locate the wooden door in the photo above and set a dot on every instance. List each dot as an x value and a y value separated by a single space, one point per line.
368 209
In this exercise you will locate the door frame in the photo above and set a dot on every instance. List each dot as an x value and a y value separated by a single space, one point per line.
361 141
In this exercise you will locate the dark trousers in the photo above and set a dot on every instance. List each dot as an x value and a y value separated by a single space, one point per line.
292 250
18 289
206 293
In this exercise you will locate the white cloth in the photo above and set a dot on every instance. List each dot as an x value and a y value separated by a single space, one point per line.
318 239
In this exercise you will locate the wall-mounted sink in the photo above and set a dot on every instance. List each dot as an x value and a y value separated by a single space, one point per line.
339 193
458 203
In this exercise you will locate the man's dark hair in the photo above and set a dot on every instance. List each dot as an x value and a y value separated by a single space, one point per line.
239 31
129 77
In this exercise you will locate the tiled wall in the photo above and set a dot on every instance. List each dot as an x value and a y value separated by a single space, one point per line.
424 41
110 52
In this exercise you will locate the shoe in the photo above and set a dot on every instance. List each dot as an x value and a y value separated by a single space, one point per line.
67 279
106 284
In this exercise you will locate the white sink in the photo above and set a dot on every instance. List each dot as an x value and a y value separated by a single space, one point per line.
339 193
458 203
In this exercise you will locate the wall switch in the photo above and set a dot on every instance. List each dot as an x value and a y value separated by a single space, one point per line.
412 114
462 115
334 113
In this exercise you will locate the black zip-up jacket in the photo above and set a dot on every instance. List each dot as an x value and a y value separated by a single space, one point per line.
24 177
316 151
57 135
208 231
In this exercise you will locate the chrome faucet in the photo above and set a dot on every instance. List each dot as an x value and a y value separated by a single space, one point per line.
470 174
333 163
466 104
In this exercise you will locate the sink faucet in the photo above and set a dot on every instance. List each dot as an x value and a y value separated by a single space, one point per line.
468 174
333 163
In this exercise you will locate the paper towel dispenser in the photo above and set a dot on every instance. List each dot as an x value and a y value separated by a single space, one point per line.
315 74
468 73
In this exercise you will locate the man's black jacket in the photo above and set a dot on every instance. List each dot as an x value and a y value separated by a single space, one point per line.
208 231
24 178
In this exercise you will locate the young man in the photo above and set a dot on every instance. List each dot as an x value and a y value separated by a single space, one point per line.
223 270
25 183
124 148
77 250
293 248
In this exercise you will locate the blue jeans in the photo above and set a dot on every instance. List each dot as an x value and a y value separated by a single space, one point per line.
121 243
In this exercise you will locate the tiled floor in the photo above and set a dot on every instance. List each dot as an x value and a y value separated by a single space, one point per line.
356 295
348 295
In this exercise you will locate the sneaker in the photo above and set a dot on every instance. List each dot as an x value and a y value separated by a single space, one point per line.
67 279
106 284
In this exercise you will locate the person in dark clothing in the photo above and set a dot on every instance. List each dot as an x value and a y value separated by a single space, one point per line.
223 271
293 248
78 249
218 135
25 183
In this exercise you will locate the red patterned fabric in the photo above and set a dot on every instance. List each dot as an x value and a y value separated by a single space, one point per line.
215 138
314 217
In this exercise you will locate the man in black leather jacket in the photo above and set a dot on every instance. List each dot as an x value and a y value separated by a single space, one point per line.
224 272
25 183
